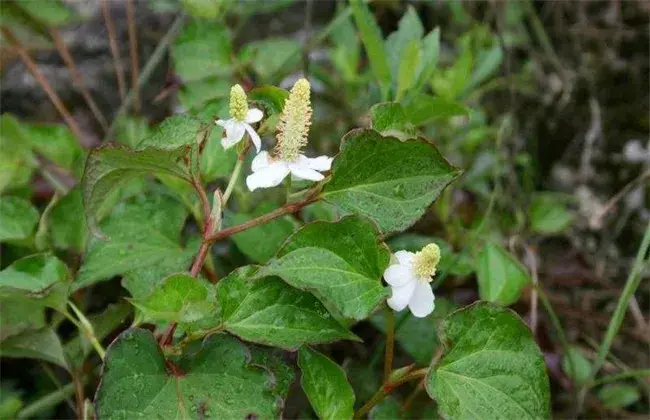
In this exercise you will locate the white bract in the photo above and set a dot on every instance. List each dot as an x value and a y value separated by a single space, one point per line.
409 277
270 169
268 172
241 120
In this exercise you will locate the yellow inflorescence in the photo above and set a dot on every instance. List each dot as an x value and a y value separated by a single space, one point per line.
238 103
426 261
293 127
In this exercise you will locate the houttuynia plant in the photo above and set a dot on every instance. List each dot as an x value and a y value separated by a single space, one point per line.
257 247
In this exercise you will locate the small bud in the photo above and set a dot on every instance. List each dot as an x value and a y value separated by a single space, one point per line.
426 261
295 120
214 223
238 103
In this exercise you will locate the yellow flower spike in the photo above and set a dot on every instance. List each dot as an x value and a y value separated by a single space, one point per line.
238 103
295 120
426 261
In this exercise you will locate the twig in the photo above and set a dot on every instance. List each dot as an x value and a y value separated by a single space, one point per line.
133 49
390 343
77 78
286 209
597 219
594 132
115 50
147 70
532 261
386 389
40 78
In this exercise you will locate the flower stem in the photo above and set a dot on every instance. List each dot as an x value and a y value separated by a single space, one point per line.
233 179
84 325
390 343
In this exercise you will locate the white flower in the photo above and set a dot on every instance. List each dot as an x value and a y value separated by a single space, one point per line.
269 172
241 120
409 277
269 169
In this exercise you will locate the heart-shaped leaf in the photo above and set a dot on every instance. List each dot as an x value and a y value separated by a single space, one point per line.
390 181
492 367
341 263
269 311
218 381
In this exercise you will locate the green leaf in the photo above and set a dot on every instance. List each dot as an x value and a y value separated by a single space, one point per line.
57 143
371 37
202 50
67 229
488 63
409 61
501 278
143 232
491 368
129 131
341 263
271 97
576 365
218 381
409 31
618 395
390 181
269 311
273 56
48 12
216 162
42 344
208 9
424 109
261 243
178 298
390 119
176 132
429 58
417 336
78 348
18 219
18 315
548 214
40 277
194 95
325 385
108 168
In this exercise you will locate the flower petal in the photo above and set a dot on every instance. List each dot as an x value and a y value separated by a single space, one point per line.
321 163
227 142
398 275
401 296
405 257
260 161
253 115
254 137
235 131
221 123
421 303
301 172
267 177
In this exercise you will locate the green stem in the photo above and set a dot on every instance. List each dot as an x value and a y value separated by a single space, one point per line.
86 327
46 402
618 376
390 343
233 180
631 284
